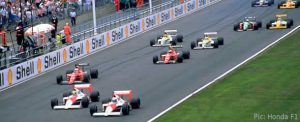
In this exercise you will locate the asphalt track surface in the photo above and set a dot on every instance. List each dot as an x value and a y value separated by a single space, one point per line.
129 66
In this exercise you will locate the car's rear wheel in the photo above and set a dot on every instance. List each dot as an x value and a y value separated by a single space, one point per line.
152 42
59 79
180 59
155 59
85 102
259 24
179 38
253 3
220 41
173 43
86 78
235 27
215 45
93 109
95 96
193 45
135 103
268 25
289 23
54 102
186 54
94 73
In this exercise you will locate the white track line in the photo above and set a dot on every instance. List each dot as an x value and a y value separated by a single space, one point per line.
120 41
221 76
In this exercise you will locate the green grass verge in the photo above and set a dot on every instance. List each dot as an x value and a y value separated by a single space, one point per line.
268 85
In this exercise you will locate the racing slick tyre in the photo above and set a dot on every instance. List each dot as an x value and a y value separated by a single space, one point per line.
67 94
215 45
86 78
180 59
152 42
59 79
220 41
106 100
271 2
179 38
289 23
94 73
95 96
155 59
253 3
259 24
93 109
186 54
135 103
173 43
125 109
54 102
193 45
85 102
268 25
236 27
69 72
297 4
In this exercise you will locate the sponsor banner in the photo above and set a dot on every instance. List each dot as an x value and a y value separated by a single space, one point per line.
116 34
149 22
96 42
164 16
189 6
201 3
178 10
3 78
74 51
134 27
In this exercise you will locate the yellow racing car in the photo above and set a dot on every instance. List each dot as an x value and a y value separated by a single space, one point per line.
288 4
280 22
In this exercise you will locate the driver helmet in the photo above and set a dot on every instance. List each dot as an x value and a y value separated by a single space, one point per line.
279 19
165 34
74 91
76 70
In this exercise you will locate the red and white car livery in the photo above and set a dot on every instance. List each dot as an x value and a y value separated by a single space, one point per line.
171 57
80 97
117 105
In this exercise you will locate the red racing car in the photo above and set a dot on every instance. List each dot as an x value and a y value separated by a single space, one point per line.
78 75
117 105
171 57
80 97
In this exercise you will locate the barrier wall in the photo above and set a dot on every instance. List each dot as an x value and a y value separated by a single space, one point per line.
19 73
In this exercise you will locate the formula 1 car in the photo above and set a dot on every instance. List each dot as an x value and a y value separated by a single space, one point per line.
80 97
288 4
280 22
170 38
247 24
171 57
262 3
210 40
117 105
78 75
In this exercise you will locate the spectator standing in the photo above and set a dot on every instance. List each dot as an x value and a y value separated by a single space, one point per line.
3 16
58 40
20 34
54 22
3 37
117 5
88 5
73 15
67 31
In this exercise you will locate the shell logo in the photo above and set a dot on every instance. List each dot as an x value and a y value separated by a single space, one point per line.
65 55
143 24
158 19
9 77
126 31
185 9
39 66
107 39
172 13
87 44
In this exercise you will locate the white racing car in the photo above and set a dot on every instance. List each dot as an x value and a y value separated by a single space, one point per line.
262 3
117 105
210 40
80 97
169 38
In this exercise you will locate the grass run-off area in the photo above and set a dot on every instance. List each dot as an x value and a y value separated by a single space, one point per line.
266 89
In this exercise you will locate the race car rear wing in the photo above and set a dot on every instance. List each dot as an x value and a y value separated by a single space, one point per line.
84 87
281 15
212 35
82 64
127 93
105 114
171 32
